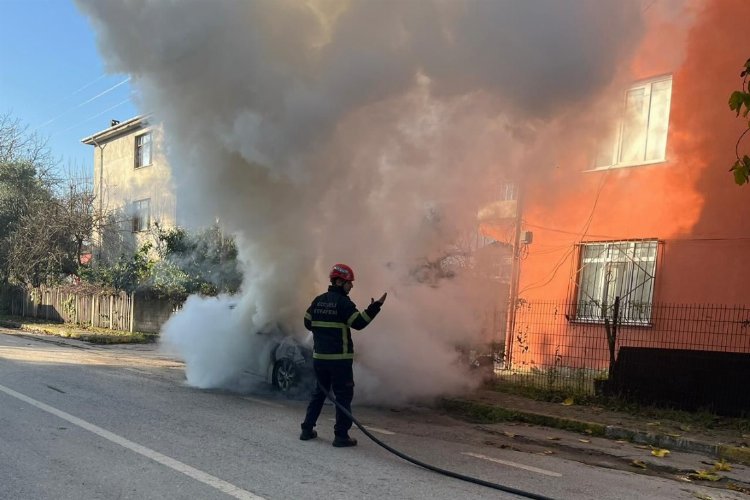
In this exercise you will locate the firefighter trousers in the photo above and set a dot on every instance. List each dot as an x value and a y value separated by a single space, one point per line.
333 375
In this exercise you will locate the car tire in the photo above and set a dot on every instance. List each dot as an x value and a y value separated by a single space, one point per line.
286 375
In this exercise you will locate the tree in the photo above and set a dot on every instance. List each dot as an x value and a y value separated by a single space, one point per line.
128 273
49 239
18 145
45 222
21 193
202 262
739 102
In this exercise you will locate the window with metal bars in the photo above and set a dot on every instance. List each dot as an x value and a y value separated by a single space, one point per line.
624 269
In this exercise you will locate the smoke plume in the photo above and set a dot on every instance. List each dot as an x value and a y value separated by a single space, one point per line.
362 132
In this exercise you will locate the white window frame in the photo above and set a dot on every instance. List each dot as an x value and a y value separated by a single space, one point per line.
509 191
619 133
144 143
141 213
609 269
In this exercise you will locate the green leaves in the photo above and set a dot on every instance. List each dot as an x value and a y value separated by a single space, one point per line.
739 102
203 262
746 71
739 99
741 170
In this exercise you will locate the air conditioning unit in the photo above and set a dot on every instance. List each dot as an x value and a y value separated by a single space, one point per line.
527 237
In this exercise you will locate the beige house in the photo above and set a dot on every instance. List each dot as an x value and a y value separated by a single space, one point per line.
132 185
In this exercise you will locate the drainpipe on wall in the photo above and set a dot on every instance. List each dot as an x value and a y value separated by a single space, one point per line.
101 183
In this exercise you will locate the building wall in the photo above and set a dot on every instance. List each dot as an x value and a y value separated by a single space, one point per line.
689 202
119 184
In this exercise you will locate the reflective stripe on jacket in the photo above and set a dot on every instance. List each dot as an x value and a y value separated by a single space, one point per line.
330 318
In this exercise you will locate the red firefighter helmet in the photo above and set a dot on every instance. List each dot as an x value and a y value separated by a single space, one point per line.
342 271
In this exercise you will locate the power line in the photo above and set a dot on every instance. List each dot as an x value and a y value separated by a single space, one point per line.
619 238
91 117
587 225
97 96
84 87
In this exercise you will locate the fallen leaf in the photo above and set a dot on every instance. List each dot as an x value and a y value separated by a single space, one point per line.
673 434
722 466
685 428
641 446
737 487
584 440
638 463
568 402
704 475
588 431
509 434
701 496
548 452
653 423
621 441
659 452
553 438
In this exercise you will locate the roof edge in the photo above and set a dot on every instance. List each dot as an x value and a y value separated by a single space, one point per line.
114 131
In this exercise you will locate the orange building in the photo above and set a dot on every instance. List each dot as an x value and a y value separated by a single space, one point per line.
651 215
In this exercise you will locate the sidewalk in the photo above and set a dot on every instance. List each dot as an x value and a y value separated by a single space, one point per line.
68 331
493 406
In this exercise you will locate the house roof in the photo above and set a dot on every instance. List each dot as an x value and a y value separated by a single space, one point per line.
117 130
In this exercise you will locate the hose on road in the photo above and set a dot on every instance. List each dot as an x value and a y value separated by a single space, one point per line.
445 472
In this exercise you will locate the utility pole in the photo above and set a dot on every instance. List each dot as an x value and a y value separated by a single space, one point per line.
514 280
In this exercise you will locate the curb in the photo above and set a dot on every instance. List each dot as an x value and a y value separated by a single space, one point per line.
737 454
89 337
487 413
43 337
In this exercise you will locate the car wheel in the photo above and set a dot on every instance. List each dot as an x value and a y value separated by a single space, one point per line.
285 375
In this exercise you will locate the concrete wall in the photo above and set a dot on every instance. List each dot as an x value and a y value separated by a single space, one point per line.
149 314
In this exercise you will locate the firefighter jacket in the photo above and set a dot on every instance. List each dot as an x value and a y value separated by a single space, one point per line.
330 318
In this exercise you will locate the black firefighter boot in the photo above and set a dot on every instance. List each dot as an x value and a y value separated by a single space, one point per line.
344 441
308 434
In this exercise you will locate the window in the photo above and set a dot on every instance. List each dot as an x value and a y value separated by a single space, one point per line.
641 135
141 215
508 191
624 269
143 150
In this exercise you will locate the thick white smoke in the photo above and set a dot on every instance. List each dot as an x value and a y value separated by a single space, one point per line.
363 132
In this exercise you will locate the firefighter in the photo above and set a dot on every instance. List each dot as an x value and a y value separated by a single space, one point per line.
330 317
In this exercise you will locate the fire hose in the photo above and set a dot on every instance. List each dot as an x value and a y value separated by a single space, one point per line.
427 466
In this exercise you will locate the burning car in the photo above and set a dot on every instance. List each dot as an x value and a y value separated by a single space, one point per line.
283 360
286 364
291 369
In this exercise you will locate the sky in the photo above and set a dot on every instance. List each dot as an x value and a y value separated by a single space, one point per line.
54 80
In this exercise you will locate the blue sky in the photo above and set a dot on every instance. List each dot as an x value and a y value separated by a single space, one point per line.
50 69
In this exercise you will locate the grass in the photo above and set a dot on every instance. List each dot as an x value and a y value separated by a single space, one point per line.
78 332
702 419
484 413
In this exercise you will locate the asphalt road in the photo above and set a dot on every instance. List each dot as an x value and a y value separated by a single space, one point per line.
84 422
